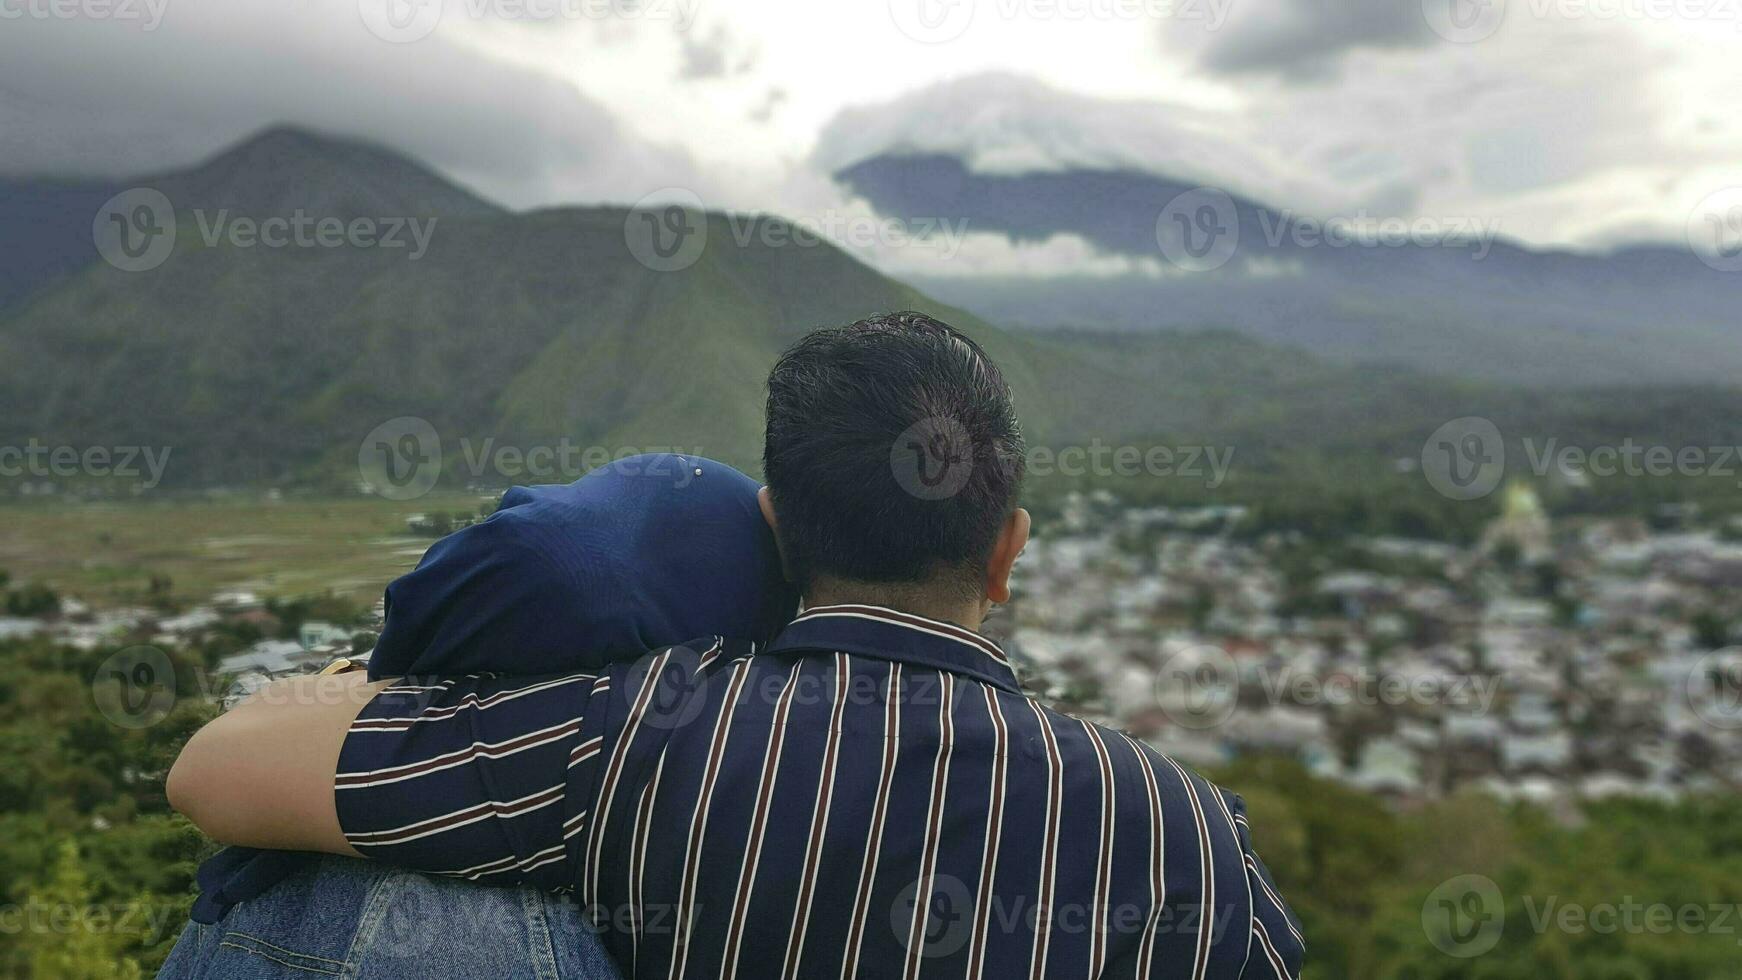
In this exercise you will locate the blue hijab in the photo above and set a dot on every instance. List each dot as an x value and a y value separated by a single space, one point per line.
643 553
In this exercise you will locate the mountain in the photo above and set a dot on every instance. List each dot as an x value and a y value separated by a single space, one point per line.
269 364
45 232
46 224
1487 309
259 365
284 170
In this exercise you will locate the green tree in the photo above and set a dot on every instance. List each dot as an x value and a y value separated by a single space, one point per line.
67 934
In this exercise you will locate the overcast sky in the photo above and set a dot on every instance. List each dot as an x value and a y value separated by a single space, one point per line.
1568 122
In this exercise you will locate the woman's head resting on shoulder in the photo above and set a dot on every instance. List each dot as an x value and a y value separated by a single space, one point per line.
646 552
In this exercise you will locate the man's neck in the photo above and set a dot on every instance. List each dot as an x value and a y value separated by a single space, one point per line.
920 600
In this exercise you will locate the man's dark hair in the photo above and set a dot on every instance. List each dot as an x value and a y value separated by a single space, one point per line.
893 453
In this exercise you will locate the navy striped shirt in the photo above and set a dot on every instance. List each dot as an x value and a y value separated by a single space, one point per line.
870 795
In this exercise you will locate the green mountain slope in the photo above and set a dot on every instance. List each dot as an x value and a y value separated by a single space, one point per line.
261 365
258 364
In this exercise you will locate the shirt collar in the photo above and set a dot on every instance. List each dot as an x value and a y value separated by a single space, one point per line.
889 634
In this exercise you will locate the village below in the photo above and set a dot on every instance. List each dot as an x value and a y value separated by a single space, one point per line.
1542 663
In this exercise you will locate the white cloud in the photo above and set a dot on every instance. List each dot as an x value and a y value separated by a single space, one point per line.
93 98
991 255
1008 124
1564 129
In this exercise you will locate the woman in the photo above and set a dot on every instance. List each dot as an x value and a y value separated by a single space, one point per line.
646 552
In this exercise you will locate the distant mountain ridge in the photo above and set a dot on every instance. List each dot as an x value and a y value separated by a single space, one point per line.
270 365
286 169
1516 314
45 224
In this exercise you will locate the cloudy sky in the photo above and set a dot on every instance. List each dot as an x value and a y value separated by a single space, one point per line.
1569 122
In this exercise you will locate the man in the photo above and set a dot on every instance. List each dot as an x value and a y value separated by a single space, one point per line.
870 795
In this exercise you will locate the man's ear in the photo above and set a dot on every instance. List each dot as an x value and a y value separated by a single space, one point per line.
765 502
1011 540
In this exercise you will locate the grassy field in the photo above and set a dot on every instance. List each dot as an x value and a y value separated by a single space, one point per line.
107 553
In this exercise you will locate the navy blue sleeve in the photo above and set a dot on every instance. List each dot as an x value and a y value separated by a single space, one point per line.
1277 947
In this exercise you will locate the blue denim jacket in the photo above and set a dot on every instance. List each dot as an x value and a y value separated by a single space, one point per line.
359 920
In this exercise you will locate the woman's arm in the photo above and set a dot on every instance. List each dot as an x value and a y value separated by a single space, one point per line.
261 775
